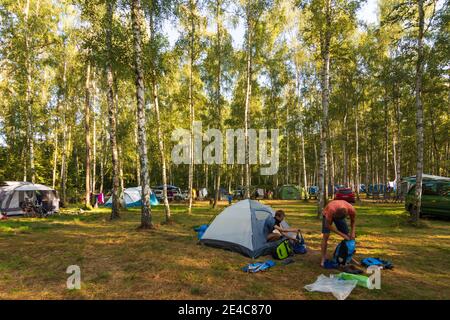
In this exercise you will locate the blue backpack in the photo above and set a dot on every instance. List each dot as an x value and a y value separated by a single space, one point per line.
344 251
300 246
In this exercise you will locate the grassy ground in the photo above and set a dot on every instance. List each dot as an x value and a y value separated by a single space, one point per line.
119 262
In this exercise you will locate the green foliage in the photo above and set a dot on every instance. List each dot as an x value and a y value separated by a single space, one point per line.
372 79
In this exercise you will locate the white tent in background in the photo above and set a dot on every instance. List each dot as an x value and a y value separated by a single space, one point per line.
14 193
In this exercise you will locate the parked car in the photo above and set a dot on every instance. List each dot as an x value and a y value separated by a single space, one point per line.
346 194
185 194
435 198
158 193
173 193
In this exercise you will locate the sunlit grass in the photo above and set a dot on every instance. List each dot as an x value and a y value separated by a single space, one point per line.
119 262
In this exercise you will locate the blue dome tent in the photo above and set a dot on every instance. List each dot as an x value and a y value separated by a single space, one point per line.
132 198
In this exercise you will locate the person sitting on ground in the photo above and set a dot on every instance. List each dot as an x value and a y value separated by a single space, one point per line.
275 231
335 212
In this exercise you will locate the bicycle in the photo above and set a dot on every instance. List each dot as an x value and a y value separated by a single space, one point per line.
33 210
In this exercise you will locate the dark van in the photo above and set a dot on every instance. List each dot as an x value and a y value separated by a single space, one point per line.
435 198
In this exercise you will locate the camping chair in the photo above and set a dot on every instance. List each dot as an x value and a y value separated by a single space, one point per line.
27 207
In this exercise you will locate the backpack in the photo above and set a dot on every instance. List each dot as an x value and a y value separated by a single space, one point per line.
283 250
366 262
201 230
344 252
299 247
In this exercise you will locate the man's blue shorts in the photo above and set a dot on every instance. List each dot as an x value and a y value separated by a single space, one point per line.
340 224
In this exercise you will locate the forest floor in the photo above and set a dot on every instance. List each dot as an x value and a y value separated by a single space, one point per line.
119 262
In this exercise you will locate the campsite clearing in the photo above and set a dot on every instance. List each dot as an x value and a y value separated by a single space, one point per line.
119 262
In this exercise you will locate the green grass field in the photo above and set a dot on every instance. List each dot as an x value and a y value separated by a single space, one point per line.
119 262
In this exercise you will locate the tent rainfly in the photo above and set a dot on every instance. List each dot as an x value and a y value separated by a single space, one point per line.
132 198
14 193
289 192
240 228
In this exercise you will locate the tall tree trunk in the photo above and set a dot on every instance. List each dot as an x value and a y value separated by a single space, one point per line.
23 157
57 126
386 150
316 169
191 105
357 177
325 52
158 125
94 138
161 149
137 164
64 129
419 114
330 169
112 112
366 181
287 144
206 172
119 145
63 175
247 103
121 177
94 155
302 136
136 18
344 149
218 93
29 97
397 145
305 183
55 157
87 133
64 167
102 158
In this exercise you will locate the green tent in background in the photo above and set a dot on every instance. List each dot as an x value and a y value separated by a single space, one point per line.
289 192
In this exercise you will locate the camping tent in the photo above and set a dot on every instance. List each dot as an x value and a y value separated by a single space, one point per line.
132 198
14 193
240 228
289 192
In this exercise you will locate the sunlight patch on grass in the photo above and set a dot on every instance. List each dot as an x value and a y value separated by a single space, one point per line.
119 262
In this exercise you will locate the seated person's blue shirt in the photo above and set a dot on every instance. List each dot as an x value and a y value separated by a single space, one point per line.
269 225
